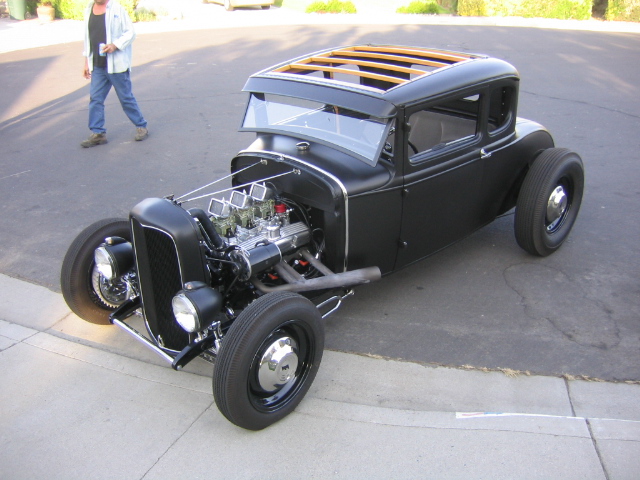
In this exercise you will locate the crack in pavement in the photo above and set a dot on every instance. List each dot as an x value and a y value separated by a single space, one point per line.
549 294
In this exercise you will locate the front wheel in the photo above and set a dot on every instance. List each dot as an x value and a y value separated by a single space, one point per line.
268 360
88 294
549 201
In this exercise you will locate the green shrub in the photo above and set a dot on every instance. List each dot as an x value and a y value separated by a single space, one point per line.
71 9
145 15
31 6
130 7
562 9
624 10
418 7
472 8
332 6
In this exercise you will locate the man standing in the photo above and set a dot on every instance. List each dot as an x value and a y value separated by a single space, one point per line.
107 50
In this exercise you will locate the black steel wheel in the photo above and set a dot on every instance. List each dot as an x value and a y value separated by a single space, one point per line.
88 294
549 201
268 360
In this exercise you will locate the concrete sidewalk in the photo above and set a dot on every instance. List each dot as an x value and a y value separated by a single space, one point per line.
84 401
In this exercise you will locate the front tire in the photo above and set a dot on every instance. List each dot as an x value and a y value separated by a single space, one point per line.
268 360
549 201
87 293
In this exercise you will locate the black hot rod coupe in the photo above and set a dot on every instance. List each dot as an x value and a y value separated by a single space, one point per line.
367 159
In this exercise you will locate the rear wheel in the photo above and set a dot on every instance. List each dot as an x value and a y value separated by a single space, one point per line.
549 201
268 360
89 294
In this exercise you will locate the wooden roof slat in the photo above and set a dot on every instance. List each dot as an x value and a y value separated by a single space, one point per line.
434 54
364 63
394 58
359 73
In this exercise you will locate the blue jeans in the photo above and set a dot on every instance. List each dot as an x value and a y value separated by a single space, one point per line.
101 83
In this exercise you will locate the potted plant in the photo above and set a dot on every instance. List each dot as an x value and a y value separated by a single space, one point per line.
46 12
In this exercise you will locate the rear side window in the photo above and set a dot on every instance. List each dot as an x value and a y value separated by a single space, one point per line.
446 125
500 108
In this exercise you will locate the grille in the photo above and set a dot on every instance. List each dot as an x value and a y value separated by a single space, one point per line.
160 280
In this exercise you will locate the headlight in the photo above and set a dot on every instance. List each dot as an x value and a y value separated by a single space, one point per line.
196 307
105 263
114 258
185 313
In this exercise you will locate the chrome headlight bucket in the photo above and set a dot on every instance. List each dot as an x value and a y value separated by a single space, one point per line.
196 306
114 258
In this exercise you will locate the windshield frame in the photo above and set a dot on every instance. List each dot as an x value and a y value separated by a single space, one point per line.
358 134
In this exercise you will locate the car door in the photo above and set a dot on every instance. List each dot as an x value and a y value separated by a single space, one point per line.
443 175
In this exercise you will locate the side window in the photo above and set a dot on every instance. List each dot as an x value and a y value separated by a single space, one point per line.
448 124
500 107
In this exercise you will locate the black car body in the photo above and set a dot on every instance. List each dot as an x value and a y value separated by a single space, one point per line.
367 159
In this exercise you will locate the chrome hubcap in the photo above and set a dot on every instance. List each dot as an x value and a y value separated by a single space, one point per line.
556 207
278 364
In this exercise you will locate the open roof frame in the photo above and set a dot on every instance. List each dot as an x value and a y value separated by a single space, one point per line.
382 67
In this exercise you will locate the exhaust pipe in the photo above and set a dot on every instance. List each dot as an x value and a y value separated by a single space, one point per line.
330 280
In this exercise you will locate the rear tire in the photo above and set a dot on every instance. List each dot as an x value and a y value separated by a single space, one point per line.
268 360
87 293
549 201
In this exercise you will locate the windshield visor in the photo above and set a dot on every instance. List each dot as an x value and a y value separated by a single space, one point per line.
353 132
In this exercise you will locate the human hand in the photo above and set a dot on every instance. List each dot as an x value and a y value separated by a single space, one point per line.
86 73
109 48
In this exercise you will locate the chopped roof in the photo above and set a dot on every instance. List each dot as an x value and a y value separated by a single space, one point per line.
377 79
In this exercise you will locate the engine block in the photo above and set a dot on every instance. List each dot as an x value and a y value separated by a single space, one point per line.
259 227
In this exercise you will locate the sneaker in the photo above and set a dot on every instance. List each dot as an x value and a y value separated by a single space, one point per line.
141 134
95 139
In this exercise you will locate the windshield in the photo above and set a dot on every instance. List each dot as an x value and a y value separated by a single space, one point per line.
354 132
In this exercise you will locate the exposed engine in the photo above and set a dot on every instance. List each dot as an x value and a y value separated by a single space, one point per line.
259 227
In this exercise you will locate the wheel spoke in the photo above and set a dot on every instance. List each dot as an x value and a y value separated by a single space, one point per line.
112 293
